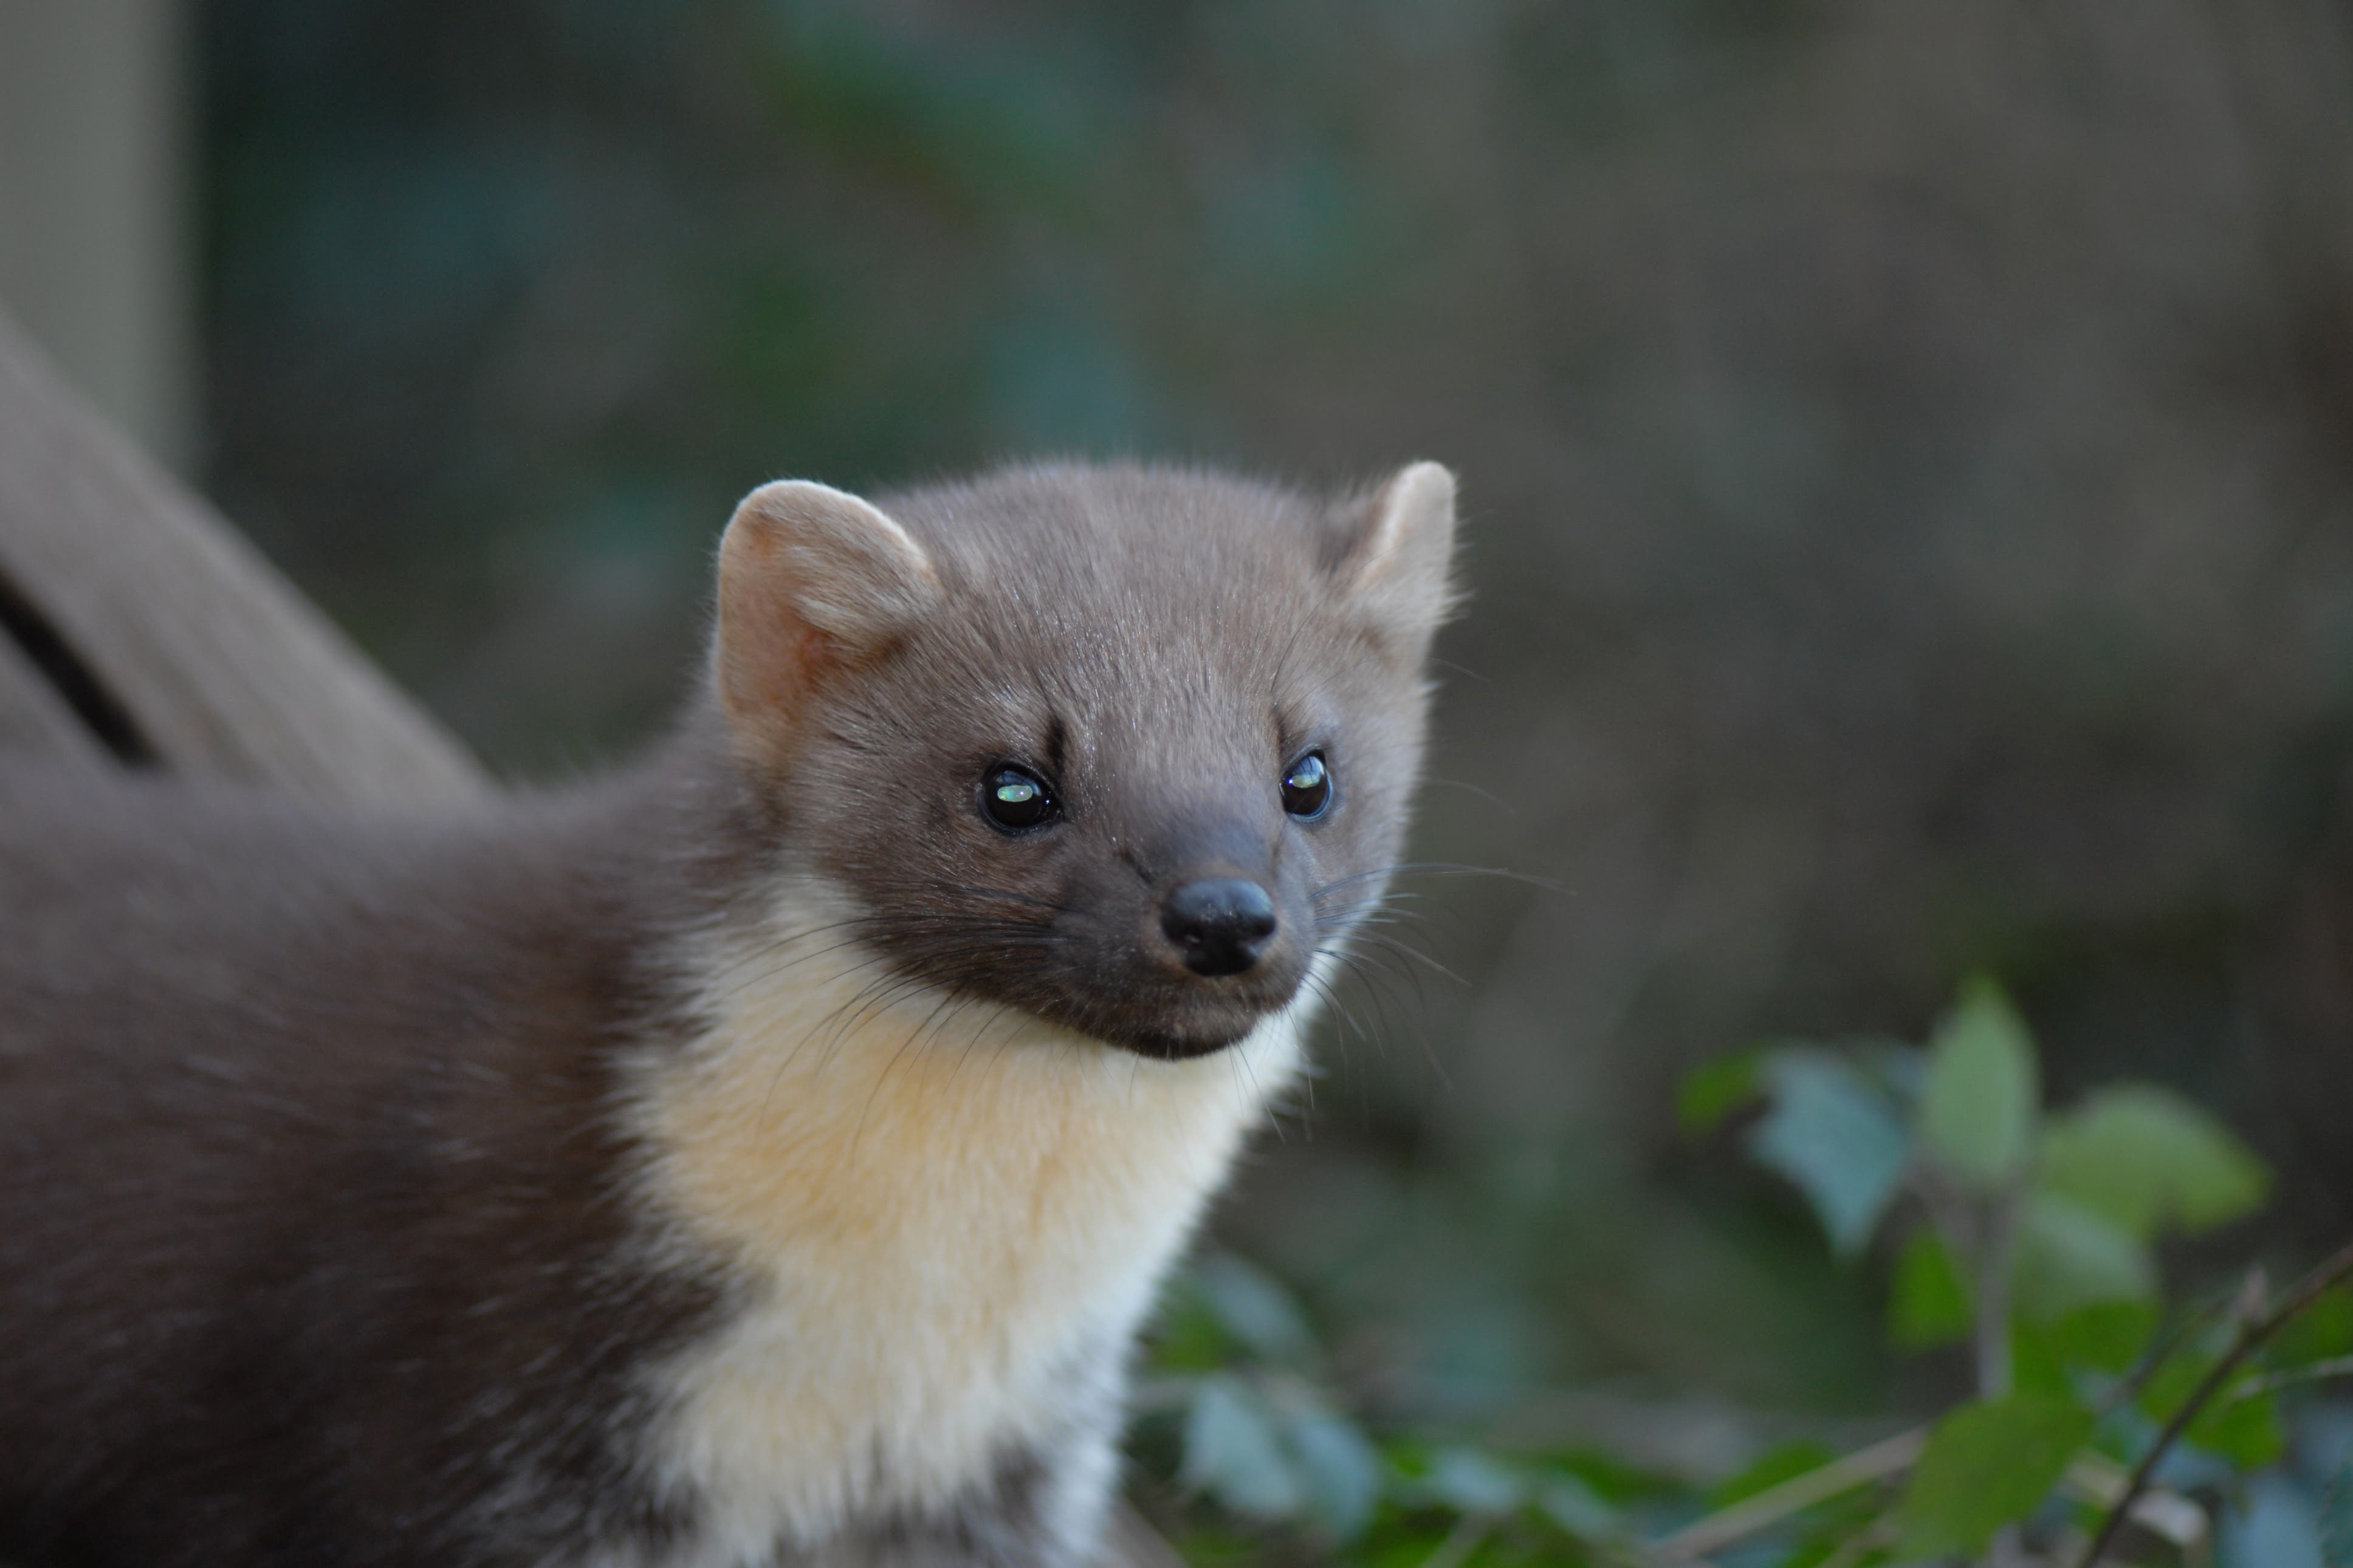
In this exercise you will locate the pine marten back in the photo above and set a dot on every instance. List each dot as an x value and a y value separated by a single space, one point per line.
762 1156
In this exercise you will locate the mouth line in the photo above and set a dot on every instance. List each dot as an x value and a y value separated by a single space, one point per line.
1208 1016
1174 1014
1177 1048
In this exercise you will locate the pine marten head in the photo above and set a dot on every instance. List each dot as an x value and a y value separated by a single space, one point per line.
1125 747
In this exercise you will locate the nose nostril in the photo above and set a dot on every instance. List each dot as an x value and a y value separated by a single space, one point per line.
1220 924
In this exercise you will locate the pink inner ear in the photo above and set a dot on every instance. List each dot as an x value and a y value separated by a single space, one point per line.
810 580
789 657
769 657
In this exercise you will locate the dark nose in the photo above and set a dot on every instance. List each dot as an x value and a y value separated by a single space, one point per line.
1220 923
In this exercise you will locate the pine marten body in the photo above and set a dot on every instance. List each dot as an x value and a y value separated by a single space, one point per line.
762 1156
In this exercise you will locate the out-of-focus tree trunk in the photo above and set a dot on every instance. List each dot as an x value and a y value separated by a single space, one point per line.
93 200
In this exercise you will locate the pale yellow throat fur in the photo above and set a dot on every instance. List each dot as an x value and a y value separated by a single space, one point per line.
944 1213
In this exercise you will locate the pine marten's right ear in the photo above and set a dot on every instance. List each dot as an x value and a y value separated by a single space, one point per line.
812 580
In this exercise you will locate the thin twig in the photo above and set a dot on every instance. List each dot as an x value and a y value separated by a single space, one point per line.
2294 1376
1996 1236
2092 1478
2168 1340
1771 1507
2255 1326
1995 1221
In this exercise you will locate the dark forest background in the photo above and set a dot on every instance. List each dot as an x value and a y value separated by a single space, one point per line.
1908 451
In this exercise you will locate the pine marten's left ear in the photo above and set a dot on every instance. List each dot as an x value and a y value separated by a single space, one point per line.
1396 561
812 580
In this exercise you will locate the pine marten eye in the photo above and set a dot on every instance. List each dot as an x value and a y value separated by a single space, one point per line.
1016 799
1307 788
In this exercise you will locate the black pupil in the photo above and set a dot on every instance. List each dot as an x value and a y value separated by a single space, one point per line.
1307 788
1016 799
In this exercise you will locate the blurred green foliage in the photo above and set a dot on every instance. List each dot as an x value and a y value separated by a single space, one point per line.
2090 1372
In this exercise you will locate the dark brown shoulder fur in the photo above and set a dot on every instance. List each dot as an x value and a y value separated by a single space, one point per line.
401 1021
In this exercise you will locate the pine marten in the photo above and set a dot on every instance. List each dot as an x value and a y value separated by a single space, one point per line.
764 1155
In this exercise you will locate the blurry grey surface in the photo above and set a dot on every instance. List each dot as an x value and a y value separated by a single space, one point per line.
191 652
34 717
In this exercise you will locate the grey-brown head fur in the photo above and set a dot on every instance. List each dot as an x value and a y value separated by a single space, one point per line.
1157 646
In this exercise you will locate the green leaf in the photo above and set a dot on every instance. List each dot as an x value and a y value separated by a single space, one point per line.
2245 1431
1833 1134
1469 1482
1987 1465
1259 1313
1405 1546
1232 1451
2321 1331
1928 1305
2107 1336
2142 1156
2336 1519
2069 1258
2034 1366
1977 1105
1714 1089
1337 1466
1188 1337
1575 1507
1894 1066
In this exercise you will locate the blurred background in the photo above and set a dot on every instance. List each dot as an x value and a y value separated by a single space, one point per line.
1908 451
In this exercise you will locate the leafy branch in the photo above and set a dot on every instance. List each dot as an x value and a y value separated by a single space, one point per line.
2024 1234
2256 1326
